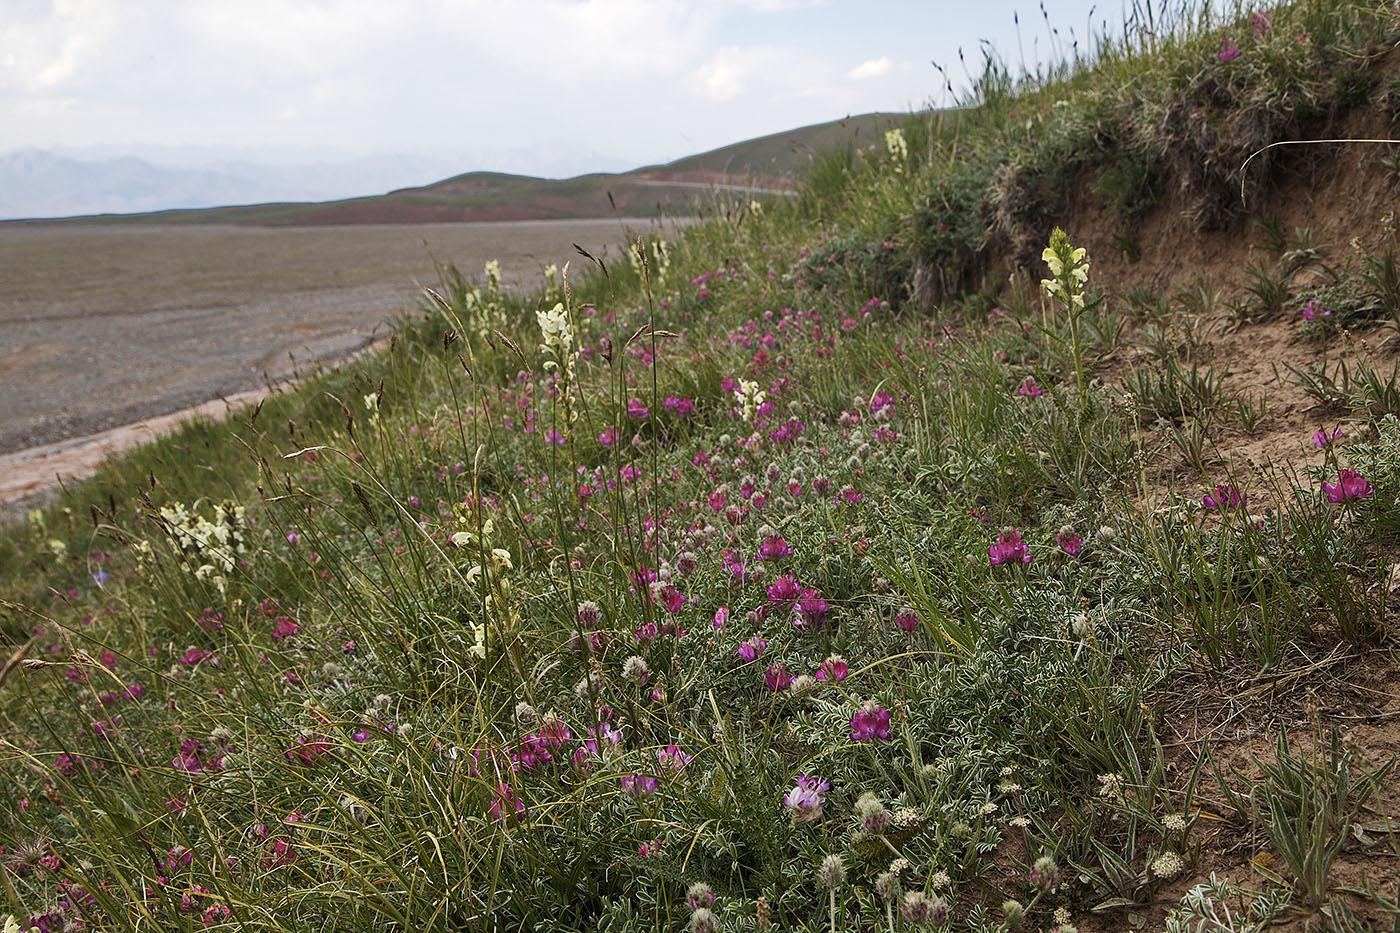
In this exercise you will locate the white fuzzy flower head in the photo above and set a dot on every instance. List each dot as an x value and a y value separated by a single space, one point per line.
703 921
1174 822
1111 786
871 814
1167 865
832 871
634 670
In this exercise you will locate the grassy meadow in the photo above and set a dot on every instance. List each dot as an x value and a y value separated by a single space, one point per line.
910 555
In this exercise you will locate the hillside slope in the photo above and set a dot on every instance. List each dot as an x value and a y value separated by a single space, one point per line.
883 558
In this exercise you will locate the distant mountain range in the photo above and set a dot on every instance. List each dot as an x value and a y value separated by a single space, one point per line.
37 184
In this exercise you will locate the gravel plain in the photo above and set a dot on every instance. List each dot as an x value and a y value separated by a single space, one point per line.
105 325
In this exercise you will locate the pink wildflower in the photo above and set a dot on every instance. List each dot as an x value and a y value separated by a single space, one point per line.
806 799
505 804
812 610
872 721
785 589
1069 541
1223 496
1349 487
906 619
751 649
774 547
834 669
1009 549
1324 439
638 786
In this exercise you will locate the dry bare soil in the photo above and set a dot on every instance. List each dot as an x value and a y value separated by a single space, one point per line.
103 325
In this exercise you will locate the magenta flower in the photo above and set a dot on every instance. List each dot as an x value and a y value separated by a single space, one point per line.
638 786
306 750
735 567
505 804
1029 389
721 616
1261 23
872 721
532 753
1009 549
673 598
1223 496
1349 487
774 547
785 589
636 410
1227 52
834 669
681 407
812 610
605 738
777 677
554 732
672 759
906 619
1070 542
751 649
1323 438
806 799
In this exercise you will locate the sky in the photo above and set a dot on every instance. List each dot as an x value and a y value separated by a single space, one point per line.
547 86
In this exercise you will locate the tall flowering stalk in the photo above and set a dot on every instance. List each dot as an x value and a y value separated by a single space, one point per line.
557 336
1069 276
897 148
750 397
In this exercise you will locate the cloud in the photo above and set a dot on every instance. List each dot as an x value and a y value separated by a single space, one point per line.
874 68
724 76
650 77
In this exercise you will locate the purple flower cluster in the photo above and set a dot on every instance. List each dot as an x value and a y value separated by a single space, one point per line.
1009 549
1223 496
806 799
871 721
